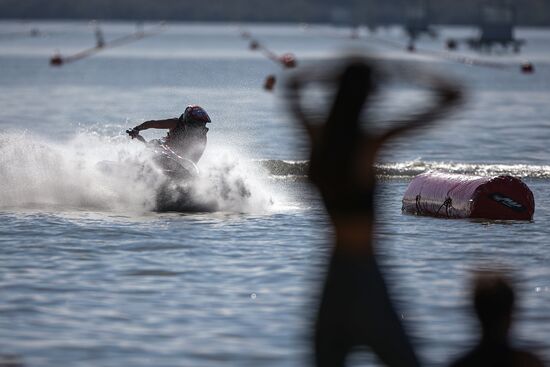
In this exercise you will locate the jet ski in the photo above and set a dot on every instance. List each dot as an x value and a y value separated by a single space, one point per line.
176 193
172 164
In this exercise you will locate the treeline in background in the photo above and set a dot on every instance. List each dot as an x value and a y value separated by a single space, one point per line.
528 12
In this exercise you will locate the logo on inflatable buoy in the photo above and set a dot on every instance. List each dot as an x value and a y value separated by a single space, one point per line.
507 202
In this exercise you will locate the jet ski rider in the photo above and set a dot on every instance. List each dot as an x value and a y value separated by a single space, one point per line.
186 134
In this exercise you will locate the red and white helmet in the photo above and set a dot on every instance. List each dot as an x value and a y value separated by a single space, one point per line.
195 113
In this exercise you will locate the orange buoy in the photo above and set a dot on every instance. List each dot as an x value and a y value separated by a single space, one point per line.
56 60
288 60
269 83
527 67
462 196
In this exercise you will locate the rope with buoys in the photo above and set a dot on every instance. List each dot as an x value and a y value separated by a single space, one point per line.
526 67
34 32
286 60
58 60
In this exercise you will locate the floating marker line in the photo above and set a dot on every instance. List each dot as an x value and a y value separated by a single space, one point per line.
58 60
526 67
287 60
20 34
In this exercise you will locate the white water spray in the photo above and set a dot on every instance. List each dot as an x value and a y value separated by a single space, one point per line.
93 172
235 184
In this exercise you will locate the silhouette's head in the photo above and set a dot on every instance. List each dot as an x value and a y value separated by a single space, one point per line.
493 303
355 85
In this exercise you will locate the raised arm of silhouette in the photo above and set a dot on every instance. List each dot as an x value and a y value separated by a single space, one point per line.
493 301
355 309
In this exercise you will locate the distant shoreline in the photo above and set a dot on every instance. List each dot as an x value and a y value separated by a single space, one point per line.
341 12
250 22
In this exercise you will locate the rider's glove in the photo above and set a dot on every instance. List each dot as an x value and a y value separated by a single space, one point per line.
133 133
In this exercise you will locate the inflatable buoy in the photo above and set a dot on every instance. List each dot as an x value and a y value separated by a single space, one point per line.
56 60
288 60
462 196
269 83
527 68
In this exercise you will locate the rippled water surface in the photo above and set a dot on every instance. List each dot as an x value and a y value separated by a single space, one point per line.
92 275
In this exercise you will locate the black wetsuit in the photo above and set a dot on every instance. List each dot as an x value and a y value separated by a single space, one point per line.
188 139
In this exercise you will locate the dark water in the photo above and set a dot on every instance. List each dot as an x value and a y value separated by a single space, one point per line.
91 275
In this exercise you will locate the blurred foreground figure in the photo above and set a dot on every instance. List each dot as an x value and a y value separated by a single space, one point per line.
493 299
355 308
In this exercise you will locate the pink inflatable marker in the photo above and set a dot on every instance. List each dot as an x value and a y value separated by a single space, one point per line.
462 196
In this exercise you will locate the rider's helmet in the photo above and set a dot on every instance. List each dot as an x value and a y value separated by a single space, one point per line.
195 114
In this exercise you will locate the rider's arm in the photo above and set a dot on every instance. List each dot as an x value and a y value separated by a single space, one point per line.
158 124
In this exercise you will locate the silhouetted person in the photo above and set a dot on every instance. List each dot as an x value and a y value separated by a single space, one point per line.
494 300
355 309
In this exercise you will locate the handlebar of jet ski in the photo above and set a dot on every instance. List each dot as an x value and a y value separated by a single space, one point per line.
134 134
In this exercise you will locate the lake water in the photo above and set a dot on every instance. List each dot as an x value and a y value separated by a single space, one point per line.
92 275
